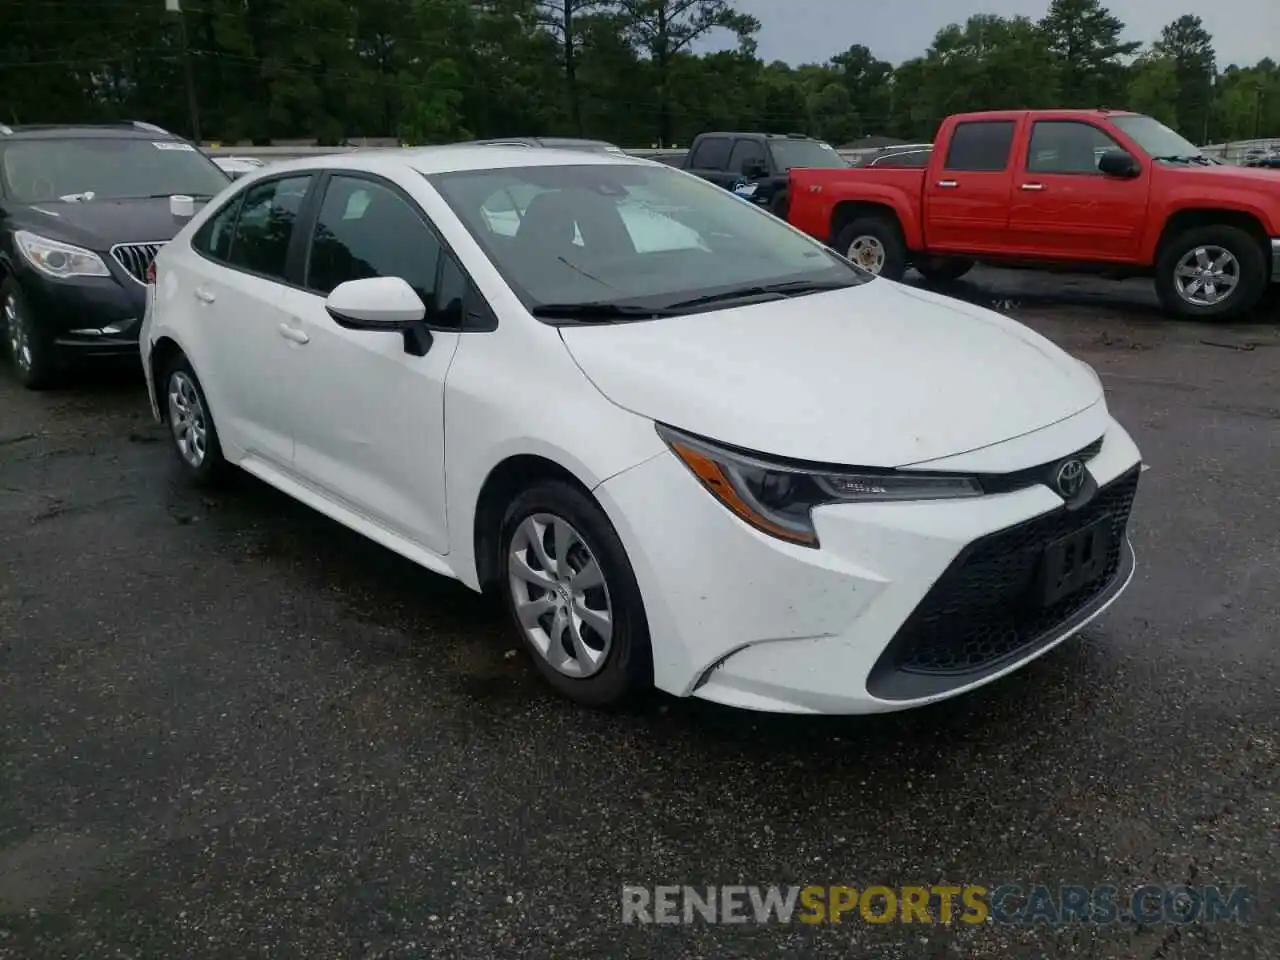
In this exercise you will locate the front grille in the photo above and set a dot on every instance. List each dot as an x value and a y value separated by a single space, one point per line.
983 610
135 258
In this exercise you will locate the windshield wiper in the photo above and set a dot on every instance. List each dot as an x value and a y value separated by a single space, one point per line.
601 312
789 288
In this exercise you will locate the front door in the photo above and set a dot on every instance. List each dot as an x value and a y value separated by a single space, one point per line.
1064 208
369 419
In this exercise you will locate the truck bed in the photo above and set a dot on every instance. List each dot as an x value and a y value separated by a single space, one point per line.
814 193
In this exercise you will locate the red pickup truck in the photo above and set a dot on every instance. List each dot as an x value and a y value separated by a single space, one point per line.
1101 190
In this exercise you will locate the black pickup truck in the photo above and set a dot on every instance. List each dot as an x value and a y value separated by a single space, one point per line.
755 165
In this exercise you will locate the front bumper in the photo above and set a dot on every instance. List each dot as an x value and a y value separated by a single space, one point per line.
901 605
87 316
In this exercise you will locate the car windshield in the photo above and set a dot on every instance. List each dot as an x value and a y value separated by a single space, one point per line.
1157 140
106 168
805 153
640 235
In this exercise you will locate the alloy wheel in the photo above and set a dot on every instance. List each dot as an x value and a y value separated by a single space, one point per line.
17 334
187 418
560 595
1206 276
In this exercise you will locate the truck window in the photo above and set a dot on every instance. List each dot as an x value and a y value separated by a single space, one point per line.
1067 146
980 146
744 151
712 154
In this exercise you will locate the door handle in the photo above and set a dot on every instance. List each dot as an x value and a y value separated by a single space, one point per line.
293 334
205 296
948 184
1033 186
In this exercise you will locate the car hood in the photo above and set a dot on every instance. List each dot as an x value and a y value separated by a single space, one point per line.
878 375
100 224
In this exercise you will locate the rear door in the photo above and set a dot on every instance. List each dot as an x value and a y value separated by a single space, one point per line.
235 284
967 188
1064 208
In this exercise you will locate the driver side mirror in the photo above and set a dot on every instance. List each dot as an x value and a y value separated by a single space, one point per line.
1119 163
381 305
754 169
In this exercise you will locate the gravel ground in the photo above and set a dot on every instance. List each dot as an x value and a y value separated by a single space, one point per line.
229 728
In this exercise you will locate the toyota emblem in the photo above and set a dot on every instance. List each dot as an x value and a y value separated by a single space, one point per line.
1070 478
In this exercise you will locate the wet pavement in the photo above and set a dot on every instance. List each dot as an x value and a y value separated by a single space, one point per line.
229 728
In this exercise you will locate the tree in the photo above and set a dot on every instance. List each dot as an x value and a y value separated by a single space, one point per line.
1153 87
867 81
1187 43
1085 40
561 19
664 28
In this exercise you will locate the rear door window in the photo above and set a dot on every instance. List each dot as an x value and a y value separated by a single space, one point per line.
264 229
980 146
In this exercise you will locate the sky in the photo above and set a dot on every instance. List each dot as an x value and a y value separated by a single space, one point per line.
811 31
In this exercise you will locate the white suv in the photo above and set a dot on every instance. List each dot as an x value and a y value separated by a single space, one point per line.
692 447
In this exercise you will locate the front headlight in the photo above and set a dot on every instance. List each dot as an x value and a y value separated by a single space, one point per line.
59 260
778 498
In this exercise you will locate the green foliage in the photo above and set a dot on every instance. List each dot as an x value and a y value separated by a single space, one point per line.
630 71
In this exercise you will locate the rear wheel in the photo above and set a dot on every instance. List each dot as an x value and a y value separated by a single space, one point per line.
876 245
30 348
781 204
1216 272
191 427
943 269
573 596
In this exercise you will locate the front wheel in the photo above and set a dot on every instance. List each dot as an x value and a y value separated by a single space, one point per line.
574 598
1216 272
876 245
30 348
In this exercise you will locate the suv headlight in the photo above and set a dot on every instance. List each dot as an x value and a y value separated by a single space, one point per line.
778 498
59 260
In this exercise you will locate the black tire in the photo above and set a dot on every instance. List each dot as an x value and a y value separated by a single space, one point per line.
626 673
780 206
212 466
943 269
1252 272
884 230
39 368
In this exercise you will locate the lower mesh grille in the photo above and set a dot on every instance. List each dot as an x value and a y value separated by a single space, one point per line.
985 609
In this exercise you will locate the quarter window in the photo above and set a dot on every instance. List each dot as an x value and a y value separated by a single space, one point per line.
980 146
1067 146
260 243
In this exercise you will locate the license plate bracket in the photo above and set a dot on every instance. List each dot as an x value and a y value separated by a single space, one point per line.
1071 563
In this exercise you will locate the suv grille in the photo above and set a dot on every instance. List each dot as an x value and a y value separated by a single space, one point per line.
135 258
983 609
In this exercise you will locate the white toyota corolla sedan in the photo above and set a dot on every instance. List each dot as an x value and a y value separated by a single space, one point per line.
691 447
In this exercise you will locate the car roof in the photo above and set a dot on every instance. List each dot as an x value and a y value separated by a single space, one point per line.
56 131
454 158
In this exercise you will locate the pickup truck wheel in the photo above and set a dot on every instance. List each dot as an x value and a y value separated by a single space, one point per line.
1211 273
780 205
943 269
876 245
